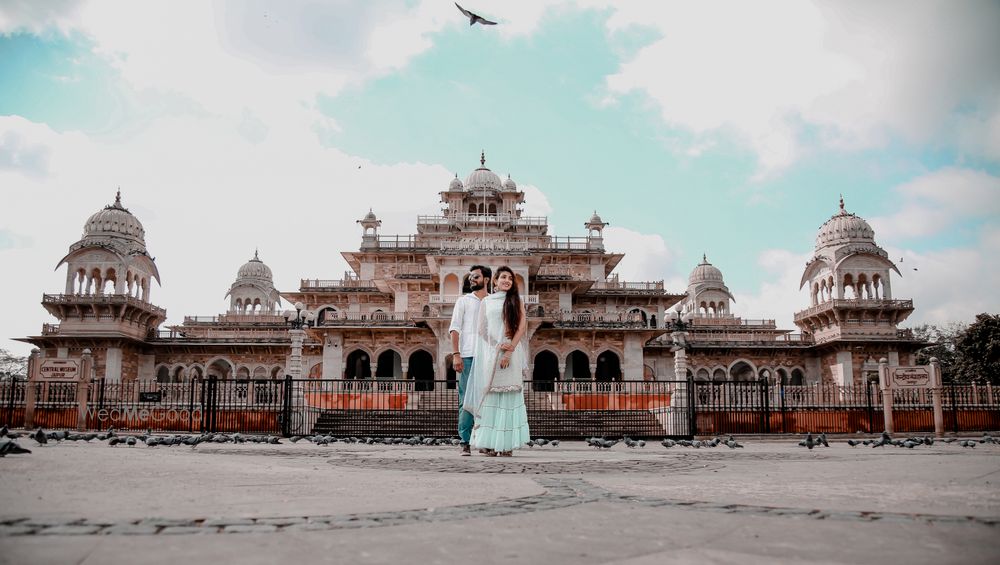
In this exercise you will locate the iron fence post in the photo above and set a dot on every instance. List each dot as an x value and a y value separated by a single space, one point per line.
194 383
954 408
286 408
692 411
871 407
781 392
765 390
11 389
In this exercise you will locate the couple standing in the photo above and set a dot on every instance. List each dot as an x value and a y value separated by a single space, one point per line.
487 331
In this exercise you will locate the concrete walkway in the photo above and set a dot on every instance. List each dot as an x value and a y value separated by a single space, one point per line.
772 502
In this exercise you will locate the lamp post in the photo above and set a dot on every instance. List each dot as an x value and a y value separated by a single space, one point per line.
300 318
679 323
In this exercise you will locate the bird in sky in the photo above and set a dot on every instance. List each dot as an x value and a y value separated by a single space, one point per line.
474 18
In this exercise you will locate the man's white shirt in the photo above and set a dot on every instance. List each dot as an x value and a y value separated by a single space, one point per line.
463 321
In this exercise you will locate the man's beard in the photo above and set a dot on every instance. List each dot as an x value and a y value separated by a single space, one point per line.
477 286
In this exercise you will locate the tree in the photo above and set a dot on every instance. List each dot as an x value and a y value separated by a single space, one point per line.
942 341
978 351
13 366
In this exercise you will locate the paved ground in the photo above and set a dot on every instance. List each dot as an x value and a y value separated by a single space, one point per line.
772 502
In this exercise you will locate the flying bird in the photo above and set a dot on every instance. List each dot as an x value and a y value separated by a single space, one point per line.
474 18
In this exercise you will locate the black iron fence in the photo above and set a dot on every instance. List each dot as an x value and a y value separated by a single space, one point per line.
567 409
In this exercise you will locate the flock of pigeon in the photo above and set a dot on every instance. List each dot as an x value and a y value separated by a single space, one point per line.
9 445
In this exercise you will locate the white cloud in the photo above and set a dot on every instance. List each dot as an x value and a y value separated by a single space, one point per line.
782 76
206 203
950 284
778 296
937 201
647 256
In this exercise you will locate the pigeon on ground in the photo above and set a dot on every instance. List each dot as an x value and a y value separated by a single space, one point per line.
852 443
732 444
949 440
808 442
113 441
130 441
822 440
554 443
968 443
474 18
668 443
40 437
3 432
9 446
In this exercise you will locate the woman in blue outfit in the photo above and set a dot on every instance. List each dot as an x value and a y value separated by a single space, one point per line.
495 393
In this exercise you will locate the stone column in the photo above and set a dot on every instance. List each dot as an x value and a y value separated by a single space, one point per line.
83 388
883 378
30 398
295 359
562 371
936 385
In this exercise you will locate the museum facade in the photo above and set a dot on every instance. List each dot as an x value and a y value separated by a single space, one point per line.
387 317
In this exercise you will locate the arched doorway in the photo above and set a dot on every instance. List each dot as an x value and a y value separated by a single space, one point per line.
316 371
220 369
421 370
798 379
163 375
390 365
609 367
578 365
358 365
546 371
741 371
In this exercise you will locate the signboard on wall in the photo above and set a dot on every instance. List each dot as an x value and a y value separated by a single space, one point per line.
910 377
59 370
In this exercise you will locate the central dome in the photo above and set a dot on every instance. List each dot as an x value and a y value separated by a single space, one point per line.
483 178
844 227
705 272
116 221
255 269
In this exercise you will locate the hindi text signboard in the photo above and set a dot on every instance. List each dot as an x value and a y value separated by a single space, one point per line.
910 377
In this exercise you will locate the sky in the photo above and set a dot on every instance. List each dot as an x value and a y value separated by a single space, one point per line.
729 129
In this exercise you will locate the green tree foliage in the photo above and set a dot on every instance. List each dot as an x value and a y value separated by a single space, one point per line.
978 351
12 366
943 340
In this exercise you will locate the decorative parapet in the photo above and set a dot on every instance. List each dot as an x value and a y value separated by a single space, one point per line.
101 300
854 303
351 284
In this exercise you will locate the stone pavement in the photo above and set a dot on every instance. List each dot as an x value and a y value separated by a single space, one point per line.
258 503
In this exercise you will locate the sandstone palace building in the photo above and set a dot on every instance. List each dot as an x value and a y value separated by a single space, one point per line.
387 318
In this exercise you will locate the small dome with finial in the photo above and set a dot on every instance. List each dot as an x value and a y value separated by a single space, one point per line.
705 272
115 220
509 184
456 184
482 178
255 269
844 227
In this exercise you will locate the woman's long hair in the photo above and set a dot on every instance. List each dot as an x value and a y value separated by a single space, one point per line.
511 304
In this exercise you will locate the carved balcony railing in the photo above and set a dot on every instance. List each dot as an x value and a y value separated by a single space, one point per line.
337 284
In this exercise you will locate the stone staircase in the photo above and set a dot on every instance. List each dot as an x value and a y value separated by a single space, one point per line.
442 422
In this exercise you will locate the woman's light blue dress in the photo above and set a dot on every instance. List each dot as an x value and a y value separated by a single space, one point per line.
495 396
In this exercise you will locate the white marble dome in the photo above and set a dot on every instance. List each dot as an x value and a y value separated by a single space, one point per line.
255 269
115 221
509 184
844 227
483 178
455 184
705 272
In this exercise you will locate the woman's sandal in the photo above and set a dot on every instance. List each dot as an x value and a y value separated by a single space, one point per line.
490 453
506 453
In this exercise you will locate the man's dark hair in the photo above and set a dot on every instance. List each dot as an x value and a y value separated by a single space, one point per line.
486 271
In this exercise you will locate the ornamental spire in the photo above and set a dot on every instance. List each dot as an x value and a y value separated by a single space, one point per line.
482 158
